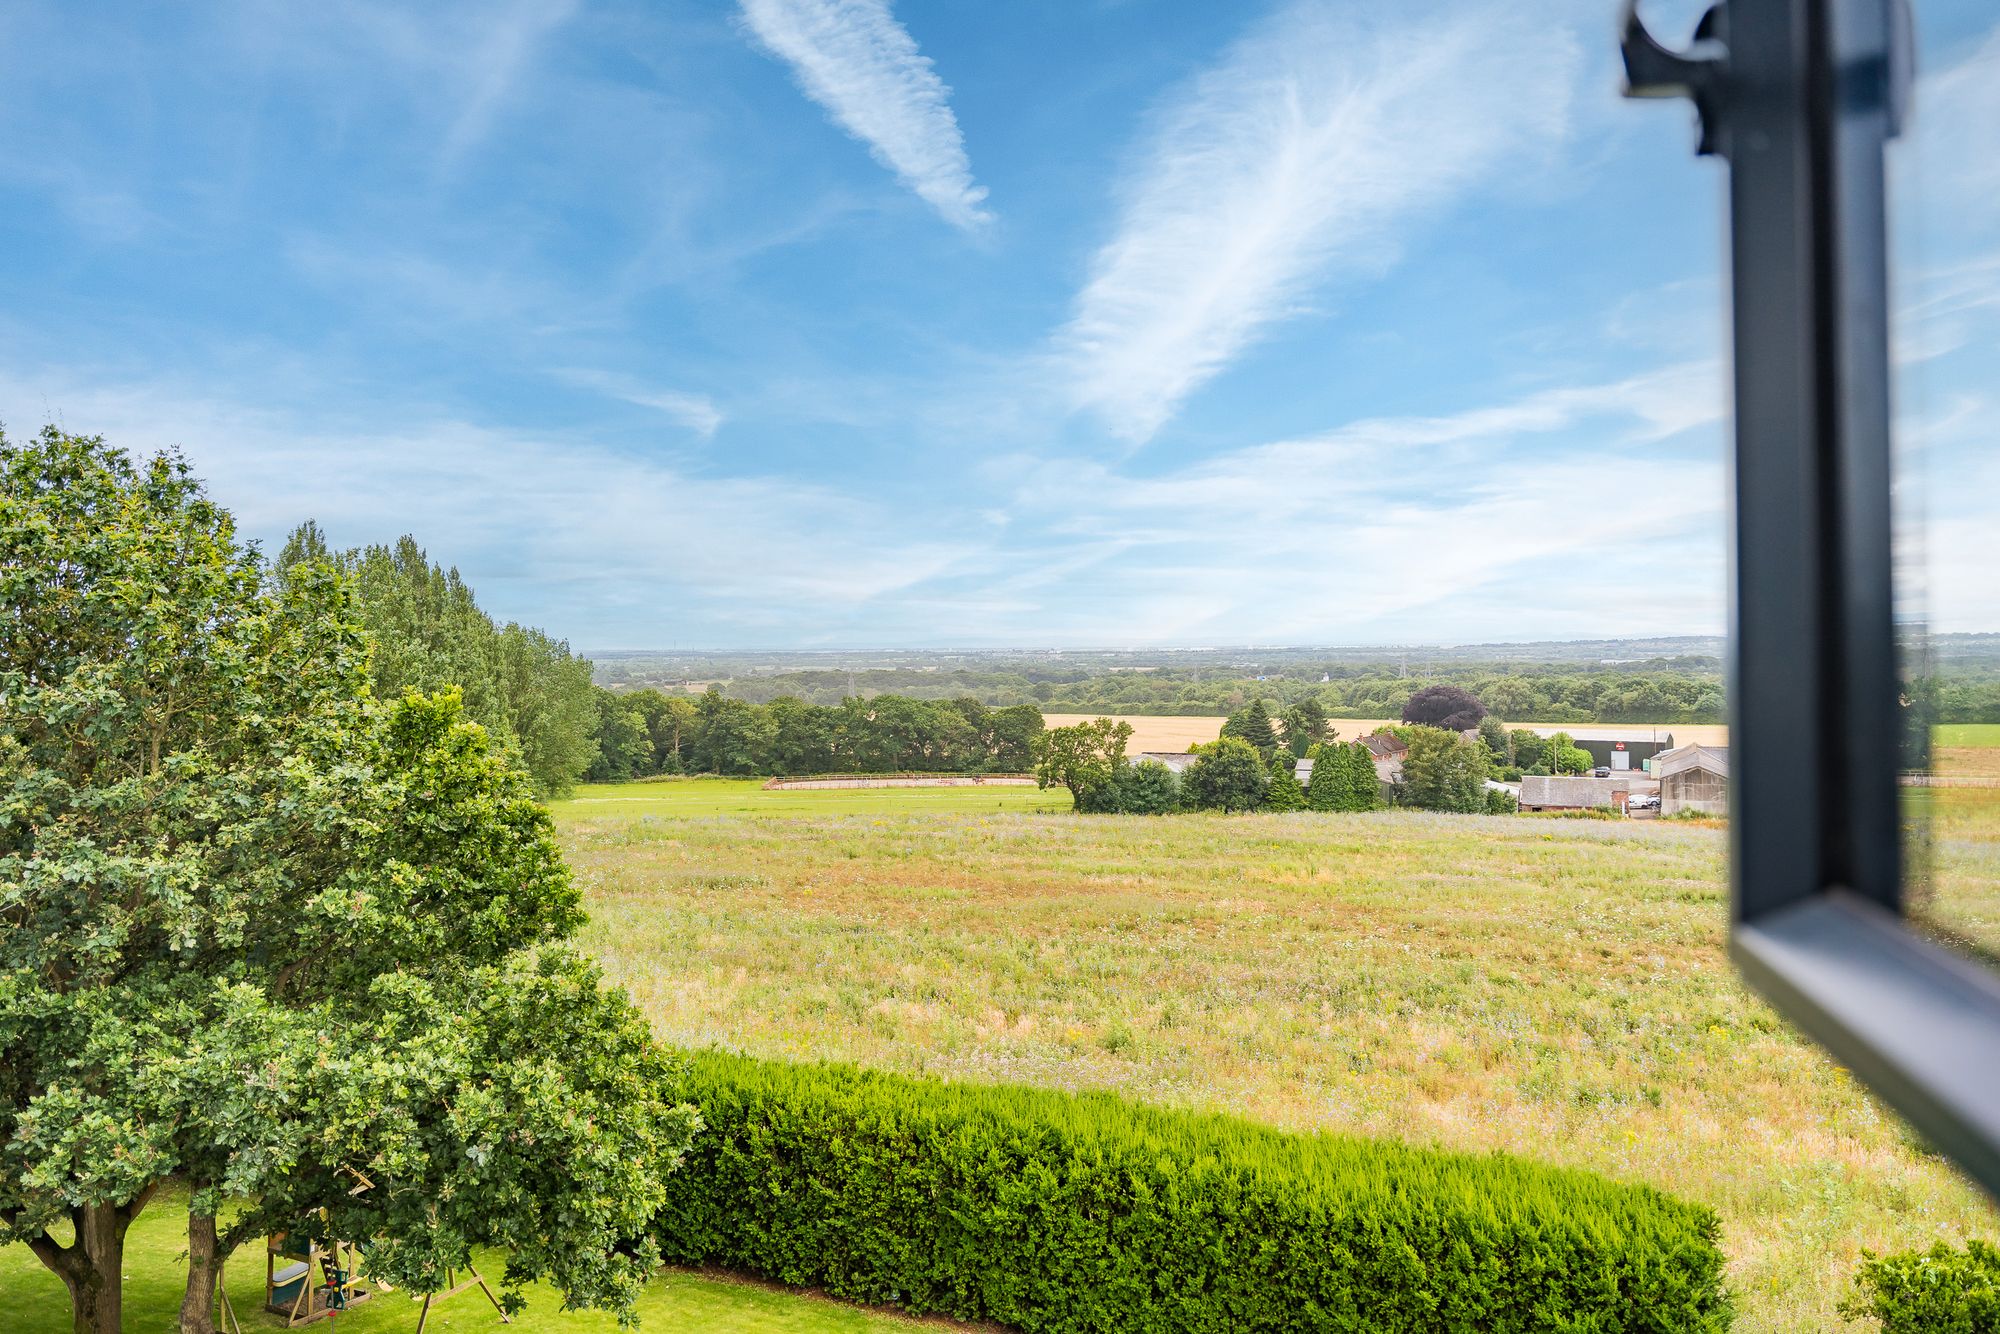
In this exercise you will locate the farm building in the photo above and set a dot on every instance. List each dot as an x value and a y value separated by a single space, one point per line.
1542 792
1694 778
1178 761
1618 749
1387 750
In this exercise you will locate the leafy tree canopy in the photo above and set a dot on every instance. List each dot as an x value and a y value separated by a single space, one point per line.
529 692
1563 756
1444 771
1082 757
1305 726
1253 725
644 732
1226 775
1453 708
264 932
1360 786
1282 792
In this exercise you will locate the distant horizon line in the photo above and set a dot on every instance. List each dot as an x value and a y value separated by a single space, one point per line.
1225 647
1378 646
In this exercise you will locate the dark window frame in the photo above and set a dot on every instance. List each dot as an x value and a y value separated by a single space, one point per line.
1800 97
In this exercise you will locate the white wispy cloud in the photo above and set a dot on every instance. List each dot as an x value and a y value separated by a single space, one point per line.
697 412
1313 144
856 61
1535 516
594 544
513 35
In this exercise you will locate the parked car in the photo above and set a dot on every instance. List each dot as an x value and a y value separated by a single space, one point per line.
1642 801
1601 771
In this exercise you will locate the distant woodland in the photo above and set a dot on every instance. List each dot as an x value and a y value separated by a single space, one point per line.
1961 683
637 715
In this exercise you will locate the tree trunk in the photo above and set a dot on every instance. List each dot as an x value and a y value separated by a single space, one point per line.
92 1266
204 1265
94 1270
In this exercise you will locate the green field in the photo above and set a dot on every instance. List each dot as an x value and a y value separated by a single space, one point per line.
1554 988
682 797
32 1300
1981 736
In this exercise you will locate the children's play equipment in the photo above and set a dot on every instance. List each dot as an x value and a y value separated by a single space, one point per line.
309 1278
452 1287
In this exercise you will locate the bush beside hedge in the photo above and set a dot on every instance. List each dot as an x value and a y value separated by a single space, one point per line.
1052 1211
1939 1291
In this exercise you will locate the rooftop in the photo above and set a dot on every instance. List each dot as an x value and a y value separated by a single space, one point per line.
1714 759
1547 790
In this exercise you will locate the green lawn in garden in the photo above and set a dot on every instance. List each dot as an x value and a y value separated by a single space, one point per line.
32 1300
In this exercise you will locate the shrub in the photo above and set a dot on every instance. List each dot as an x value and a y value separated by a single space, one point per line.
1282 791
1226 775
1444 772
1145 788
1939 1291
1049 1211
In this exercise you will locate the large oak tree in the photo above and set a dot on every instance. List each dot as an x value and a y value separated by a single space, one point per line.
259 931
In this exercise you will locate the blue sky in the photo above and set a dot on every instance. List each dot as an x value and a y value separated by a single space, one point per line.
832 323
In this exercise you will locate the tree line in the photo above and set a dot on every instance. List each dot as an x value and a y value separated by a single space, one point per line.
1441 770
537 702
1453 748
1671 690
531 694
641 733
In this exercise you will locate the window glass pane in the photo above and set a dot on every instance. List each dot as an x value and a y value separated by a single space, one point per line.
1946 179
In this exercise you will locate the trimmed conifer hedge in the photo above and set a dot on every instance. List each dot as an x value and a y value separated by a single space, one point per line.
1054 1211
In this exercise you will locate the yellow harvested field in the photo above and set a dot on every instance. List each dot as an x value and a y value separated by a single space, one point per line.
1177 734
1697 734
1166 734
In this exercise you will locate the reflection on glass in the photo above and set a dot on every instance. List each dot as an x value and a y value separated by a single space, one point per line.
1947 256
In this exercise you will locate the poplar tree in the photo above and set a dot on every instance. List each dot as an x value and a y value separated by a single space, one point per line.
1360 789
1329 777
1253 725
1282 792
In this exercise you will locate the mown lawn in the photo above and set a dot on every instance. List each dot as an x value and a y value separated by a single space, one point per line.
681 797
1983 736
32 1300
1553 988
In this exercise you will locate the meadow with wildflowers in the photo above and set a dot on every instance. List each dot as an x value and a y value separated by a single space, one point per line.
1552 988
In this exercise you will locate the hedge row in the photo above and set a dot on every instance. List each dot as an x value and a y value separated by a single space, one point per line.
1053 1211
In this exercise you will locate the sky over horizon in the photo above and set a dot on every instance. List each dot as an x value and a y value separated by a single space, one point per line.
843 324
